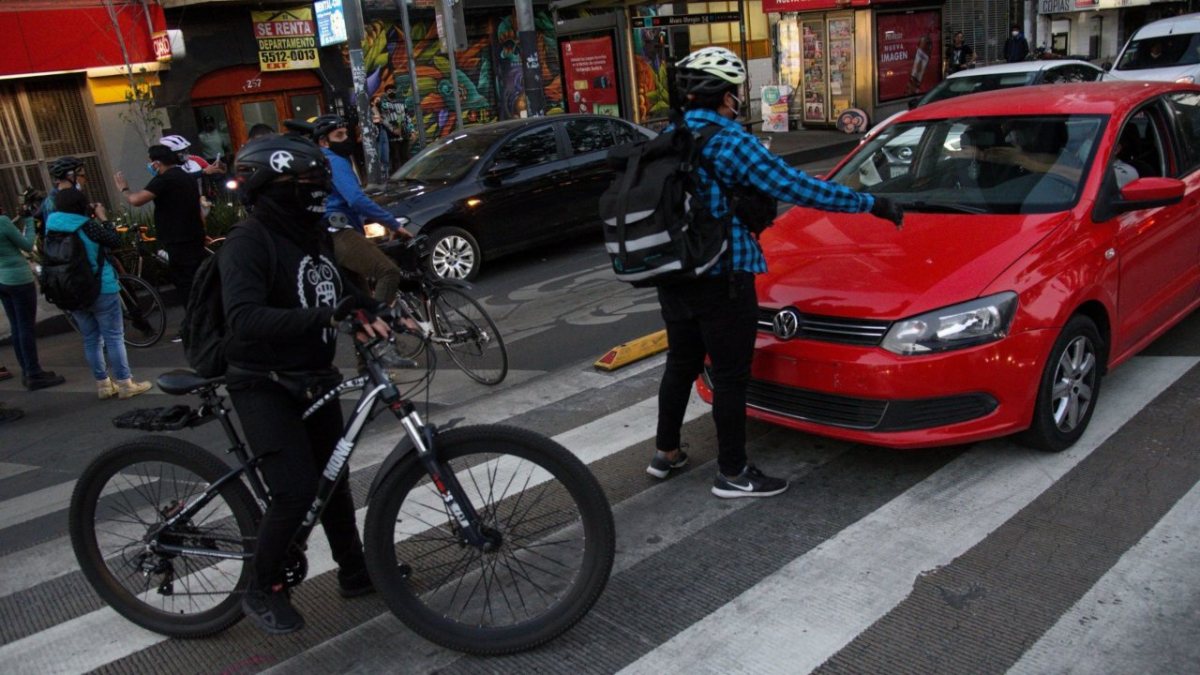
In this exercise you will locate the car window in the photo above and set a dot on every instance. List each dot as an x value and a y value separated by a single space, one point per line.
968 165
536 146
1163 51
960 86
625 133
1074 72
448 159
1187 115
589 135
1141 145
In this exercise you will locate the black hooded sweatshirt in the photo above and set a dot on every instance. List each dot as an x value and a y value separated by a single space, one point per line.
279 320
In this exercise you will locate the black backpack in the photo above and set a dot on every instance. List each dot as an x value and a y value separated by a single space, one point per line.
656 229
67 278
204 330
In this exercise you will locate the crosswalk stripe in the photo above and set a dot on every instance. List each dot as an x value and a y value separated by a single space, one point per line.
92 648
40 503
8 469
845 584
1117 626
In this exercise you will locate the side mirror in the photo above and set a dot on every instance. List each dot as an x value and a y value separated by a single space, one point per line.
913 103
1142 193
498 171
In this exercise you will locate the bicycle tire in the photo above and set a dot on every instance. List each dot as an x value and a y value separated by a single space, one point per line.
499 453
143 309
131 587
477 347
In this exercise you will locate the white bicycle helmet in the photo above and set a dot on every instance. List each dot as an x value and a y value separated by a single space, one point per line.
175 142
710 70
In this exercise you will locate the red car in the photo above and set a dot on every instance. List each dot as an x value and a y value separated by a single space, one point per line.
1051 232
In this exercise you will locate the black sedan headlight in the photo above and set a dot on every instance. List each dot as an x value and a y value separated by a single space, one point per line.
963 325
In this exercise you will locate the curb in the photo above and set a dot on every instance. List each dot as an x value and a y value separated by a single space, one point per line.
634 350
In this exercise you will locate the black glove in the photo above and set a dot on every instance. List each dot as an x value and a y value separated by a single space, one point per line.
888 210
364 311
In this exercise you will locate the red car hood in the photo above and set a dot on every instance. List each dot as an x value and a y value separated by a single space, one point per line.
860 266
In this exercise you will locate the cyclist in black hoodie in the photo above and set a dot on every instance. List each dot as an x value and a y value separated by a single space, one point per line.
280 350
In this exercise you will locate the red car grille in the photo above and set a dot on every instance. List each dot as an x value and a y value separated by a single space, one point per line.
829 328
864 413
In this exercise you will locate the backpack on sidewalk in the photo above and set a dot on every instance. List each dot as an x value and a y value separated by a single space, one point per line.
657 230
67 279
204 330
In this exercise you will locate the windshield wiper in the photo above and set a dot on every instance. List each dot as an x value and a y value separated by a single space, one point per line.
940 207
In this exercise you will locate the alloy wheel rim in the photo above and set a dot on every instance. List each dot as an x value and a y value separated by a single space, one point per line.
453 258
1074 383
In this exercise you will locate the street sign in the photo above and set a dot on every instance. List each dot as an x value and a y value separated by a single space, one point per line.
689 19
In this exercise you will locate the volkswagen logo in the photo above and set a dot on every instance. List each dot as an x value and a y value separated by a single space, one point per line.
786 324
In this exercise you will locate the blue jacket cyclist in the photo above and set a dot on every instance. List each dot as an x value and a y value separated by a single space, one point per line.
716 316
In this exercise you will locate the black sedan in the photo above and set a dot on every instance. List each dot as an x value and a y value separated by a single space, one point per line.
497 188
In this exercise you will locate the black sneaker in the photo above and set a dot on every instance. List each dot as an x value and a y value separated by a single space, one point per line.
43 380
750 483
354 584
660 466
272 610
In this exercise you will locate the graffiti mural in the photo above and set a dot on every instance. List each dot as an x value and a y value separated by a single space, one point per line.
487 89
650 69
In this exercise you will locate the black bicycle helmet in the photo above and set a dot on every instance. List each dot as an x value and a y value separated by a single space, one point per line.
64 168
263 160
316 127
712 70
32 196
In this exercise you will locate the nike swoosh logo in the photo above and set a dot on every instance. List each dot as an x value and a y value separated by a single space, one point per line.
747 488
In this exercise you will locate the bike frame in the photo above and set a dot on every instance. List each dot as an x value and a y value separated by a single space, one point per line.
375 387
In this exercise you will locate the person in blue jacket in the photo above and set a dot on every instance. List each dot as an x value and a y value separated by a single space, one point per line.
348 207
102 324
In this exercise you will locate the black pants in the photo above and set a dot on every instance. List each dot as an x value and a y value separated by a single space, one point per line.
293 455
705 318
184 260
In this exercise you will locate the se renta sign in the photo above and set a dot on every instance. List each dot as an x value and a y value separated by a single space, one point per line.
287 39
331 22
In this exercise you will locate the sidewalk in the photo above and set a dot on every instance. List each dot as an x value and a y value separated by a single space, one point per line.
795 147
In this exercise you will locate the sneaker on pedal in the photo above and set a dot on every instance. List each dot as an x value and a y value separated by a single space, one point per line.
660 465
272 610
354 584
749 483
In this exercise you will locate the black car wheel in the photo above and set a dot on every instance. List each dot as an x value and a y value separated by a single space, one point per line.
454 254
1069 388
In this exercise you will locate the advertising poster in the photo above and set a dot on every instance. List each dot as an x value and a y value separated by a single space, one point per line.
908 53
590 76
331 22
287 39
812 41
775 100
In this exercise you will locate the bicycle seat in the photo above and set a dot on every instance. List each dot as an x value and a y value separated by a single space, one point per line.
179 382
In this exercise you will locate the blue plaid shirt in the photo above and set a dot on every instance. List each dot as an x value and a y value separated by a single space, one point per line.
738 158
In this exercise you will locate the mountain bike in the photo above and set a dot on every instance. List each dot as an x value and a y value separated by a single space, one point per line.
447 316
485 539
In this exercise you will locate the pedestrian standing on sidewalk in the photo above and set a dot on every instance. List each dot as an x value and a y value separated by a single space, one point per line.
102 324
18 293
717 316
177 221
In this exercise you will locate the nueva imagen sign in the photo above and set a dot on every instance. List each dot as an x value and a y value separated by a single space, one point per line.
287 39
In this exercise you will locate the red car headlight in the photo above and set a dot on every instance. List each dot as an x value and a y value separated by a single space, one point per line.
963 325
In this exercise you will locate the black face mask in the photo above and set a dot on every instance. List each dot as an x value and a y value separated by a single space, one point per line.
303 202
342 148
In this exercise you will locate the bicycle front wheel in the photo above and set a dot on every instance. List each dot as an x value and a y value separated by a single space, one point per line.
549 513
117 517
469 336
144 311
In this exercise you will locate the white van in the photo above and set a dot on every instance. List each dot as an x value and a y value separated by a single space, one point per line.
1166 50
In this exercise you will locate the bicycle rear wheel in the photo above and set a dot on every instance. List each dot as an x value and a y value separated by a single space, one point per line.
471 338
117 513
555 555
144 311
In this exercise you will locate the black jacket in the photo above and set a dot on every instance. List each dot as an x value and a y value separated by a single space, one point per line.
279 320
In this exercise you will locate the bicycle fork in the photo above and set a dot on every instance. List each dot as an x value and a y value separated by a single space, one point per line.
451 491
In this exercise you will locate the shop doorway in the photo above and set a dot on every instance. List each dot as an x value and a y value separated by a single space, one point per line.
227 103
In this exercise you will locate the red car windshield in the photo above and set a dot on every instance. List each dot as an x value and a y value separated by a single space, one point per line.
978 164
